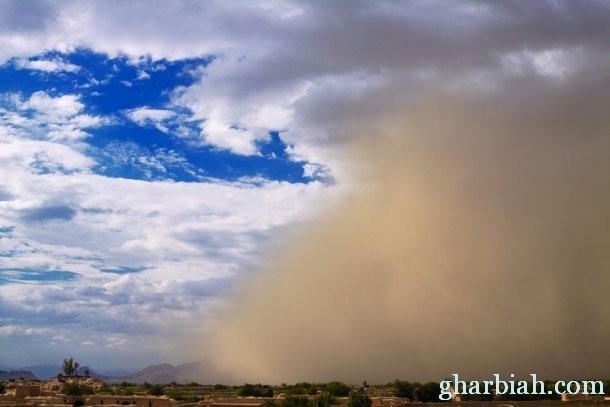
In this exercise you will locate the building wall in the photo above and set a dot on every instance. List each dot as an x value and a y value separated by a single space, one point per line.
27 390
136 401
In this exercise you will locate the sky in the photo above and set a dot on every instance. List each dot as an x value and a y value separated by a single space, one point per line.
195 180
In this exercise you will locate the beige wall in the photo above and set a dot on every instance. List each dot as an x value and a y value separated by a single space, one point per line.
27 390
128 400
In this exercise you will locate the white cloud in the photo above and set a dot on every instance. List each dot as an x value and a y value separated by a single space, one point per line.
146 115
184 234
57 118
47 65
55 108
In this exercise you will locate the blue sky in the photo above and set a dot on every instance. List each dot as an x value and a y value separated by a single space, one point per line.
153 153
141 133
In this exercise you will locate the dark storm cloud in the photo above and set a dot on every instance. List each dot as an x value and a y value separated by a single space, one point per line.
478 242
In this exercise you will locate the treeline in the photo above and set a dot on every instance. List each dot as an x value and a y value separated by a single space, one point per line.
334 389
414 391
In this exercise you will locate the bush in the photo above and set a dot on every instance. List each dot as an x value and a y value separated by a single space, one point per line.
301 388
125 391
337 389
429 392
403 389
155 390
105 390
295 401
358 398
175 394
2 388
75 389
220 386
325 399
255 390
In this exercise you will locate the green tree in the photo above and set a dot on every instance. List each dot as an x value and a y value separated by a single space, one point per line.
358 398
2 388
403 389
295 401
70 366
337 389
255 390
301 388
325 399
155 390
429 392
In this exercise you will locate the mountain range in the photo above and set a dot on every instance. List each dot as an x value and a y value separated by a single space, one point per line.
199 372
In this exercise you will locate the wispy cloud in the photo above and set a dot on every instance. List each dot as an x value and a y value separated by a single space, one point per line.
46 65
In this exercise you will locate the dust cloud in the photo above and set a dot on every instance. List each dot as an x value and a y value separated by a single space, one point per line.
477 243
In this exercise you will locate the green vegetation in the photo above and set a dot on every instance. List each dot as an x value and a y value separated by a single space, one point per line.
303 394
105 390
2 387
155 390
176 393
403 389
325 399
70 367
357 398
301 389
428 392
414 391
337 389
294 401
255 390
75 389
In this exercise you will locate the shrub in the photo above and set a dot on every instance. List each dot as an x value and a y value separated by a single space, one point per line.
155 390
105 390
175 394
358 398
75 389
429 392
338 389
255 390
295 401
325 399
403 389
301 388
